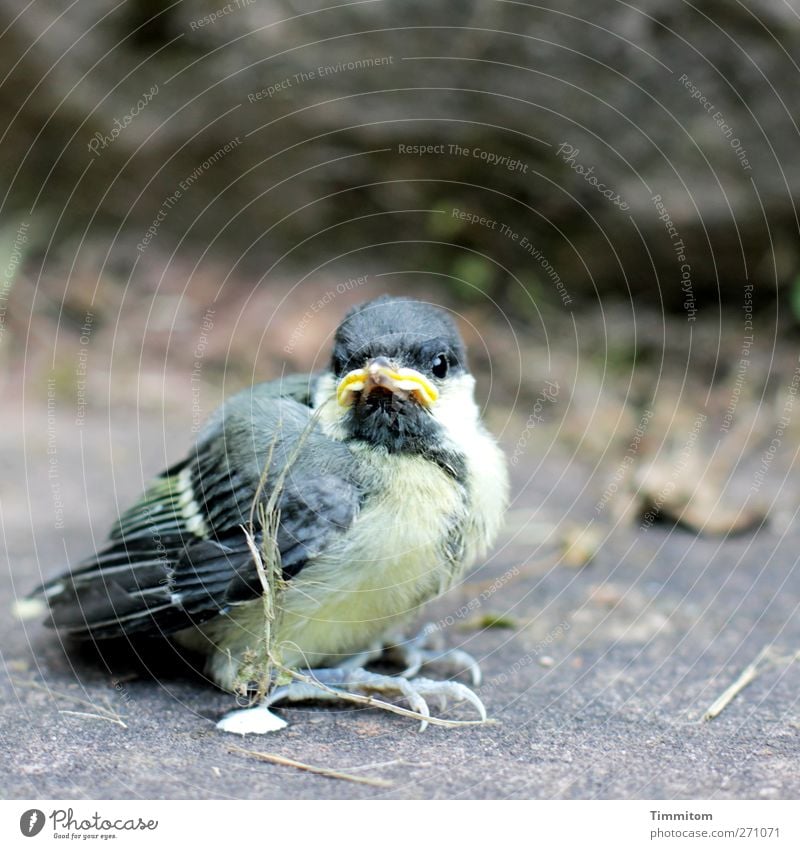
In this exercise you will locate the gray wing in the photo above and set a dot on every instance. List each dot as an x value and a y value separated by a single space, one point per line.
180 556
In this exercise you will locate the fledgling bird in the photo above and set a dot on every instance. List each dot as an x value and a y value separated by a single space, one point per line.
388 487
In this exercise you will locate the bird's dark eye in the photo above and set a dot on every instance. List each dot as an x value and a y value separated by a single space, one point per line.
339 364
440 365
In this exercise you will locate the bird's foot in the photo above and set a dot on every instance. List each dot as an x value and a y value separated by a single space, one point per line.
337 684
427 649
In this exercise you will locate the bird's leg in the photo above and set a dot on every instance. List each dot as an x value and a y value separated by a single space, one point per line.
362 659
336 683
428 648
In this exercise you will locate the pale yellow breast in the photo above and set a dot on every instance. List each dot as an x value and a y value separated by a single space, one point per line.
398 554
393 559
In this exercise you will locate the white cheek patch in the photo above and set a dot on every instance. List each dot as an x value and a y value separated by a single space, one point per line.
331 414
459 416
457 412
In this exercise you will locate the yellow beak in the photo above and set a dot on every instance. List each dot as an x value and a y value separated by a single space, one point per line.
403 382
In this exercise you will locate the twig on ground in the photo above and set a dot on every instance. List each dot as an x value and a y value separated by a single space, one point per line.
115 719
749 674
317 770
107 712
394 762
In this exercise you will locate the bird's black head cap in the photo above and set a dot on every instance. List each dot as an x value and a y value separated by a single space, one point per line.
408 332
400 333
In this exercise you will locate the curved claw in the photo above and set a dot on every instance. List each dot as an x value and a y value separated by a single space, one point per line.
426 649
450 689
455 658
415 699
465 659
365 682
414 659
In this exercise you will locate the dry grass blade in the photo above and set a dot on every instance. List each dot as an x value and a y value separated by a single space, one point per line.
748 675
317 770
267 559
116 720
107 712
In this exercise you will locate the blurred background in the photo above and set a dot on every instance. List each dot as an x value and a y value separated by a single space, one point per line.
604 194
606 198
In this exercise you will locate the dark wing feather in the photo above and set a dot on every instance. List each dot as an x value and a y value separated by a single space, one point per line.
180 556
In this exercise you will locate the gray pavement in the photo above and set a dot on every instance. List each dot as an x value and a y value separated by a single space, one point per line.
599 687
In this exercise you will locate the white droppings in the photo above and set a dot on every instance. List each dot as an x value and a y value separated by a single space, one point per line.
255 720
